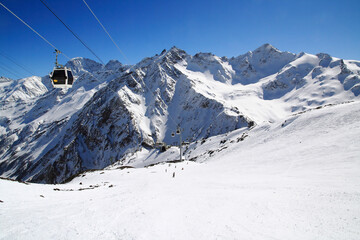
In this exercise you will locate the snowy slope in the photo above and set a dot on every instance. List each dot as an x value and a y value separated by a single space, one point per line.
113 111
23 89
295 178
30 122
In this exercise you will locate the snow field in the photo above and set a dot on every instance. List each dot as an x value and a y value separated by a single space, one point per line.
293 179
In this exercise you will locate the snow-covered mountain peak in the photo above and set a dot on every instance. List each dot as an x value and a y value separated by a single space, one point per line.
210 57
80 64
166 59
266 48
305 59
263 61
325 59
174 55
175 49
25 89
5 79
267 52
114 65
211 66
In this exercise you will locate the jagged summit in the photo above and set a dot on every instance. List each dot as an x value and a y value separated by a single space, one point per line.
114 110
176 49
4 79
174 55
114 65
172 50
266 48
80 64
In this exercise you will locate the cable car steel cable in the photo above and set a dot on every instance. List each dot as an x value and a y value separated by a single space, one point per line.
5 66
10 71
60 74
121 52
68 28
18 64
32 29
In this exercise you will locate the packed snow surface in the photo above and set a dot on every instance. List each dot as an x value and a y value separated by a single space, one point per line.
295 178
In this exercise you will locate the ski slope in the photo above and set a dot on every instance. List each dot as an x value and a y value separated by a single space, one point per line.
296 178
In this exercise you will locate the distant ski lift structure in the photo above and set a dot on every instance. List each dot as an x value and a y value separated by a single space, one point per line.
61 77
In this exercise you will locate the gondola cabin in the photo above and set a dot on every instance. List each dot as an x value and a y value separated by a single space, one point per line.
62 77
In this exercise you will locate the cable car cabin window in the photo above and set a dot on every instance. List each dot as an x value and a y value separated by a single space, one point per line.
59 77
70 77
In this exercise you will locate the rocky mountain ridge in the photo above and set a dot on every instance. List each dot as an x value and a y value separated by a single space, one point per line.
49 135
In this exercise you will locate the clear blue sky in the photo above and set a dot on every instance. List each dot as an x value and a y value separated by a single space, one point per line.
143 28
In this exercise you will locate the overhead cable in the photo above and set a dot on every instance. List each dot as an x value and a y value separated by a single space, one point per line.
18 64
106 31
31 28
68 28
9 70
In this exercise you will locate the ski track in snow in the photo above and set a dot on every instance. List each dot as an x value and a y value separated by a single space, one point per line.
293 179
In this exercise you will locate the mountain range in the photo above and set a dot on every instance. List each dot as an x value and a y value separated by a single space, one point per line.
114 111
